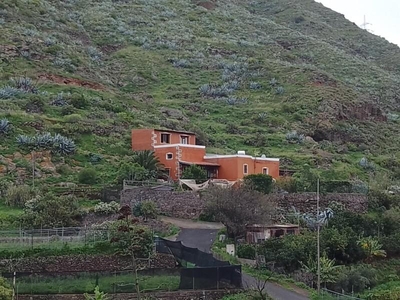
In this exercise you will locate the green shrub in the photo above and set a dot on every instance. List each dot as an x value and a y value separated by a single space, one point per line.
79 101
106 208
74 118
246 251
194 172
149 210
18 195
88 176
260 182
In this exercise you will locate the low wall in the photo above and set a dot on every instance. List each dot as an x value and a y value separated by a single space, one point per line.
189 205
178 295
307 202
185 205
85 263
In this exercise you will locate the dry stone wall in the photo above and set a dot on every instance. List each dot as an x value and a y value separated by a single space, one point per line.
185 205
85 263
189 205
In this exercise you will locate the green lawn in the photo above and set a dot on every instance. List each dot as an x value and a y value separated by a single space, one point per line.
86 283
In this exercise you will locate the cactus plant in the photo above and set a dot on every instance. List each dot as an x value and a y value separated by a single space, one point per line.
63 145
295 138
5 126
279 90
255 86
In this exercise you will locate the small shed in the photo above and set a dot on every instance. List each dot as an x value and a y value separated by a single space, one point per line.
257 233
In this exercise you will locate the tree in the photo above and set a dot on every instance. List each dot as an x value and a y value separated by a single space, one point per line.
371 248
148 160
260 182
148 210
132 240
194 172
6 293
238 207
50 211
133 171
88 176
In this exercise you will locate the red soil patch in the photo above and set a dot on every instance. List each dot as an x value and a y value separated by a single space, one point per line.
71 81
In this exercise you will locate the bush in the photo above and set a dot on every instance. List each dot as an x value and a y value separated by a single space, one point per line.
103 208
50 211
194 172
79 101
260 182
74 118
18 195
356 279
246 251
148 209
88 176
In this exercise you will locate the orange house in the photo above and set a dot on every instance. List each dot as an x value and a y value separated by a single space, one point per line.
177 150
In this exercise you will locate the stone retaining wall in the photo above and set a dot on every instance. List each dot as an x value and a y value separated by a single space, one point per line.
185 205
178 295
85 263
189 205
307 202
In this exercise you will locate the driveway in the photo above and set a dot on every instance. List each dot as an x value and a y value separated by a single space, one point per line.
201 235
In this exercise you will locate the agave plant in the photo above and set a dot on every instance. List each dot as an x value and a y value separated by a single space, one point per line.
24 84
60 100
279 90
63 145
255 86
24 140
44 140
8 92
294 137
5 126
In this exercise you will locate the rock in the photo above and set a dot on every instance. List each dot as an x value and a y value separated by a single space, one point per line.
47 164
310 140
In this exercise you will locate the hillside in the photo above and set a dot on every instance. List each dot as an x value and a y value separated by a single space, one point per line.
242 74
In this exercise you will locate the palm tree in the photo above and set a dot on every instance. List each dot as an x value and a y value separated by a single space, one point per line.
148 160
371 248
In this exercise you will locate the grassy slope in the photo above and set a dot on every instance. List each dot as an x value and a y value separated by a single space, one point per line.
326 65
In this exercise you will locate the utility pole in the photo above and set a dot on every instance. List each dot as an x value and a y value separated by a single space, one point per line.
318 244
365 24
33 168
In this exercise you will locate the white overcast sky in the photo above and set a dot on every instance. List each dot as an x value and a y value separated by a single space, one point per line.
384 15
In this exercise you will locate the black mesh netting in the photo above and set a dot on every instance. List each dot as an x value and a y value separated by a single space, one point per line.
207 272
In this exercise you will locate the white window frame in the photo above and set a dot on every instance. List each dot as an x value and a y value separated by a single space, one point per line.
267 171
245 169
186 137
169 138
169 153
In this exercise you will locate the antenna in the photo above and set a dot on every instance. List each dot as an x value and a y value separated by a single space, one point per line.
365 24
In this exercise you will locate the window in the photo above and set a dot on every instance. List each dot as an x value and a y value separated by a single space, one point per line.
170 156
165 138
184 139
245 169
265 171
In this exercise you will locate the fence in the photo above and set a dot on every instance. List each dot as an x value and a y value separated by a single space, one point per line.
45 283
51 238
335 295
202 271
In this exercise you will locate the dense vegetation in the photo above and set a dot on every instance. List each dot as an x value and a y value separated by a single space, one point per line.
260 76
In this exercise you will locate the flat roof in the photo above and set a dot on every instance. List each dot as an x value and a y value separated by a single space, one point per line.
176 131
274 225
213 156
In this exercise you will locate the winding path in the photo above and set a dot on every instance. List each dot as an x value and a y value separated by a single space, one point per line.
201 235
